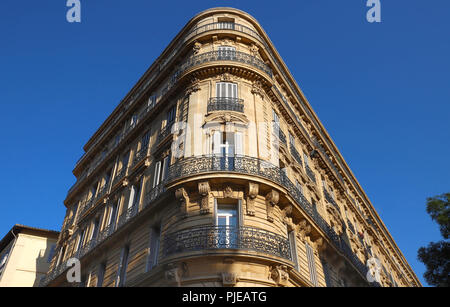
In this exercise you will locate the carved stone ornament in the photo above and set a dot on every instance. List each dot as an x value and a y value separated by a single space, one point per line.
254 50
204 190
253 190
303 229
229 279
174 272
197 46
272 199
193 86
257 89
183 198
228 192
227 77
280 275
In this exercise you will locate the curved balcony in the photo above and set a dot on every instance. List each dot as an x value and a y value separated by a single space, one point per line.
256 167
225 104
226 237
232 56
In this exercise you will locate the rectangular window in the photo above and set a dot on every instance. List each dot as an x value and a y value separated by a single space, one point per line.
311 264
122 270
293 245
226 90
171 115
155 237
101 274
156 174
227 222
81 239
50 254
151 101
291 139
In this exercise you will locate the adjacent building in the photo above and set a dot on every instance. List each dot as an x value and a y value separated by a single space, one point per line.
25 255
214 170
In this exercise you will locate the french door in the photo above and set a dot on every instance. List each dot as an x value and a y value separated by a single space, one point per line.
227 226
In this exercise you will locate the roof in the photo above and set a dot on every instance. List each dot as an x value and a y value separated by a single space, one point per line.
18 228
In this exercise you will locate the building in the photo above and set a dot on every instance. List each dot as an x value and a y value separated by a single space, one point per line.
214 170
25 255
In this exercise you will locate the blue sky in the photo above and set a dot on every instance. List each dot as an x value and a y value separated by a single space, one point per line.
381 90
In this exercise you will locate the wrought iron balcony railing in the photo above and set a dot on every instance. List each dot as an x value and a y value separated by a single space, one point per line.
253 166
164 132
329 198
226 237
310 173
218 55
120 174
225 104
295 154
140 155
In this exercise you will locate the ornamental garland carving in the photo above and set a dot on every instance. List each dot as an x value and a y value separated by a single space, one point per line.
257 89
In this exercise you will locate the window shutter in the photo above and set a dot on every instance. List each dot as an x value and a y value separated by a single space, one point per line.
311 264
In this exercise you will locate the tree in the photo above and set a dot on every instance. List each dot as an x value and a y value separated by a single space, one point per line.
436 256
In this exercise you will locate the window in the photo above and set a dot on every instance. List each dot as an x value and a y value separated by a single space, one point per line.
293 245
326 273
81 239
155 236
107 177
227 143
134 195
113 213
161 170
299 186
227 52
122 270
311 264
151 101
101 274
93 190
95 228
226 90
291 139
124 161
50 254
226 25
3 262
305 157
227 222
171 115
61 255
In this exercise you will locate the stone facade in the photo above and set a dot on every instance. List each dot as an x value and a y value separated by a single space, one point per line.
214 170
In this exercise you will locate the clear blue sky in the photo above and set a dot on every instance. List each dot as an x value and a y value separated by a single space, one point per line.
381 90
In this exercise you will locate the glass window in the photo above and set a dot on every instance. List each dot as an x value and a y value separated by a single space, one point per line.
227 225
122 270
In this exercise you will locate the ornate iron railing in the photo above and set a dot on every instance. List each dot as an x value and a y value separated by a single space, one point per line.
310 173
281 136
225 237
218 55
140 155
254 166
329 198
164 132
120 174
225 104
295 154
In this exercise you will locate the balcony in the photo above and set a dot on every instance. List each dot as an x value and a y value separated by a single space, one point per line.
165 132
330 199
256 167
310 173
295 154
218 55
225 104
225 237
120 174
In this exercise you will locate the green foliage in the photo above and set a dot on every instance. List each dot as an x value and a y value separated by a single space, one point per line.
438 208
436 256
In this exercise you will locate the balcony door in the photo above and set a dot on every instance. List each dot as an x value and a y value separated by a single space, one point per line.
227 53
226 146
227 226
